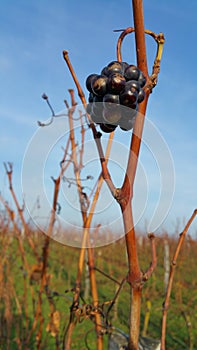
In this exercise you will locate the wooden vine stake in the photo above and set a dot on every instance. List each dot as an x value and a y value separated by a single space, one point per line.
136 278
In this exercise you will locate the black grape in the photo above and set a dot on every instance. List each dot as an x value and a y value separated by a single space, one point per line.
89 81
129 98
90 98
110 99
124 66
141 96
132 85
97 112
132 72
112 116
116 83
128 118
141 79
112 67
99 85
107 127
89 108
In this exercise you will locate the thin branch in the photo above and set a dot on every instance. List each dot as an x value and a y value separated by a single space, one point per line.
121 284
97 135
85 240
21 249
106 275
171 277
153 264
45 256
54 115
45 97
87 219
79 89
9 171
124 33
81 151
159 38
17 231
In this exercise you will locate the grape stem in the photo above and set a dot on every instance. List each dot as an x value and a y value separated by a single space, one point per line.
159 38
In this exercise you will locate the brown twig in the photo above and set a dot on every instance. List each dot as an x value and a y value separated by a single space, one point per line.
85 241
79 89
81 151
25 264
171 277
97 135
124 33
153 264
87 219
17 232
121 284
9 171
106 275
44 282
159 38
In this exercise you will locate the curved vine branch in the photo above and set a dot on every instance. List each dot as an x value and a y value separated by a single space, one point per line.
159 38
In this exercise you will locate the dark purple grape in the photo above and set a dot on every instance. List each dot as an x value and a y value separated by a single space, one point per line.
132 72
116 83
108 127
89 81
95 118
99 85
115 65
141 96
97 107
109 100
112 116
90 98
112 67
128 98
97 113
124 66
104 71
142 79
132 85
127 119
89 108
97 99
127 124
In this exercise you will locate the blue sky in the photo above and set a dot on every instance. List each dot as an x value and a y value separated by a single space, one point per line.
33 35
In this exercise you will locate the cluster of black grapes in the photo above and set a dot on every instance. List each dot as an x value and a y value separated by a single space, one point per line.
118 87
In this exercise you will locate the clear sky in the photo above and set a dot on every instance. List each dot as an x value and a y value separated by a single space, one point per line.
33 35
